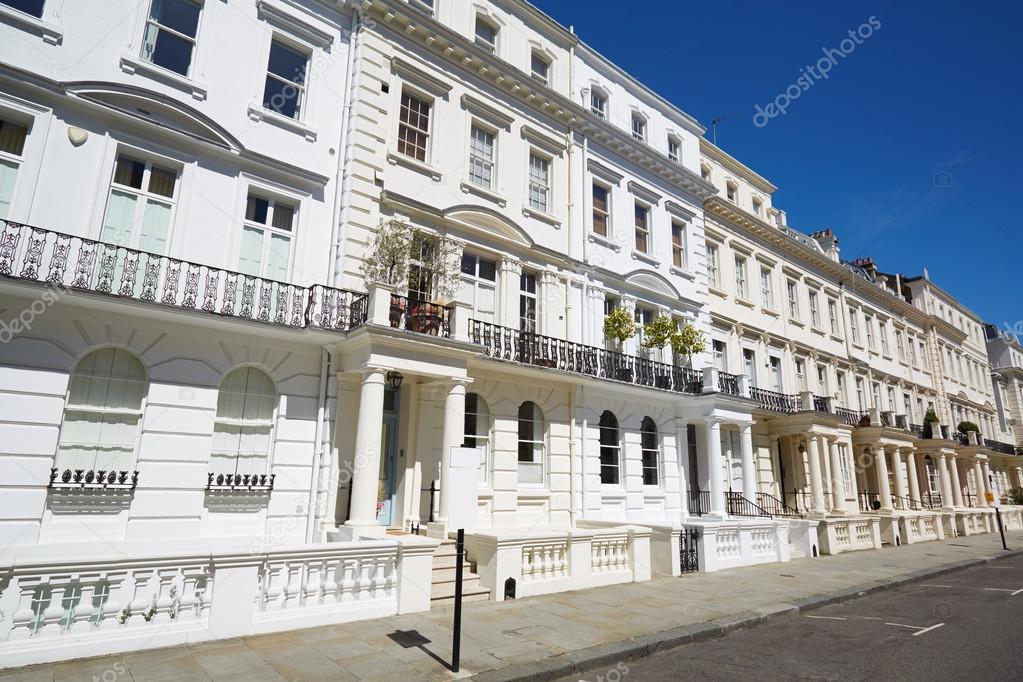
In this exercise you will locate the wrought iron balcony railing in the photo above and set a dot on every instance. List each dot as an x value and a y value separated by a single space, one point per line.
740 505
505 343
699 501
1003 448
917 430
775 507
728 383
66 261
850 417
773 401
820 404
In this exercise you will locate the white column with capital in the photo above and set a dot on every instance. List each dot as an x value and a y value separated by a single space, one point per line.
366 459
837 484
883 486
816 480
978 484
957 486
749 466
945 481
684 475
900 476
914 478
986 467
712 458
509 271
453 437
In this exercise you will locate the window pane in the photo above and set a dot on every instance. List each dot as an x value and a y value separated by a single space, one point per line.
488 270
256 210
250 254
284 217
167 50
278 257
286 62
12 137
180 15
129 172
8 174
155 221
161 181
281 97
117 228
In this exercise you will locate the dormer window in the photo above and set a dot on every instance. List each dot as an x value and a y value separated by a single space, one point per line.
540 68
705 172
486 35
731 191
757 206
673 149
598 103
639 127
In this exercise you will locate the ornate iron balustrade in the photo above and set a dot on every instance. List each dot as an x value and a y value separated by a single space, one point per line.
728 383
917 430
240 482
886 419
699 502
961 438
740 505
775 507
820 404
419 316
65 261
100 479
850 417
513 345
773 401
930 500
998 446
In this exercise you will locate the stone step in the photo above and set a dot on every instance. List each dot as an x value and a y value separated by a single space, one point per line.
447 575
444 593
448 562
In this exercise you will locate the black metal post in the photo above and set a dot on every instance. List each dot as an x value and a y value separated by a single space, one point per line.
1001 528
456 641
433 492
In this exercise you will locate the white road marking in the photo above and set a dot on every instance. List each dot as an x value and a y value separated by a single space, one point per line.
935 586
866 617
999 589
1015 593
902 625
933 627
827 617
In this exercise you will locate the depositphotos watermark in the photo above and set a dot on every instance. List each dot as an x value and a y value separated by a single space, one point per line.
23 321
809 75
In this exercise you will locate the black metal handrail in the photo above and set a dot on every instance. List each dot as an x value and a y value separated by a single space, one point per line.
886 419
65 261
776 507
999 446
738 504
420 316
961 438
728 383
968 498
905 503
699 502
917 430
850 417
800 500
528 348
773 401
930 500
820 404
869 501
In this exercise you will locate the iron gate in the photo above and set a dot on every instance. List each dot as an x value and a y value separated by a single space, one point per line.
689 550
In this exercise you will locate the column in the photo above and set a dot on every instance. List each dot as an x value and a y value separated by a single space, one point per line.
816 484
454 434
946 483
509 270
900 476
551 303
749 468
957 488
884 488
914 478
366 460
837 484
712 455
1019 476
978 482
986 466
682 454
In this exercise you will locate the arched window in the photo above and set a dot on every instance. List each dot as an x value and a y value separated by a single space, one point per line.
650 446
531 443
103 412
610 449
244 423
477 431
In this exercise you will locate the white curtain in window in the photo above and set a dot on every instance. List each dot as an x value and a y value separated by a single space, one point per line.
155 221
104 408
251 252
480 295
117 228
278 256
8 173
244 422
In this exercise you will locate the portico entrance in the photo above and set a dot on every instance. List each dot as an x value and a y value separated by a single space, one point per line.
387 487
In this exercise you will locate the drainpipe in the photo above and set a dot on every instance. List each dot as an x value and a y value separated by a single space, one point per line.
346 148
314 477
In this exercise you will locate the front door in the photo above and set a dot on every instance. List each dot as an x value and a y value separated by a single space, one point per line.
386 490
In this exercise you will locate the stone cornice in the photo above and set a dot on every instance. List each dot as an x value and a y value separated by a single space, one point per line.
725 159
446 44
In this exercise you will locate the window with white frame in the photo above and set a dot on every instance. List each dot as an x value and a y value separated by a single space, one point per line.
800 374
532 444
678 244
539 182
103 412
243 427
170 35
766 291
651 451
610 449
741 279
854 326
749 365
673 148
477 431
822 380
12 146
833 315
757 206
891 399
868 325
478 286
883 333
421 279
731 191
713 273
846 468
32 7
643 316
539 67
900 347
140 205
284 90
598 103
861 398
792 294
486 34
776 381
481 156
527 302
875 388
705 172
601 209
267 238
638 127
815 313
642 224
840 387
414 126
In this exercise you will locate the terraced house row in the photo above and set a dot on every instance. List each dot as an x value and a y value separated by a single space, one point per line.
300 287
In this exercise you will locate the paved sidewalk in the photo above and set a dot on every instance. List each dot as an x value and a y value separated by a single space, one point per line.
540 637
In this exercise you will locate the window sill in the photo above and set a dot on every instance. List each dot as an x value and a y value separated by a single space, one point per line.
541 216
745 302
50 33
259 114
133 65
718 292
605 242
490 195
770 311
817 330
796 321
396 159
836 337
858 346
645 258
682 272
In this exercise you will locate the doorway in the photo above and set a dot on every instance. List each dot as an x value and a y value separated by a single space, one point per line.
387 485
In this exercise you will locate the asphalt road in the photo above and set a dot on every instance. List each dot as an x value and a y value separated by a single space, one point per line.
966 625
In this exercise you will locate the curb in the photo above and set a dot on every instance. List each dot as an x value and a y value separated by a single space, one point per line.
607 655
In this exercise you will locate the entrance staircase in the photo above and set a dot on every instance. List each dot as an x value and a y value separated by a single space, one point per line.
442 592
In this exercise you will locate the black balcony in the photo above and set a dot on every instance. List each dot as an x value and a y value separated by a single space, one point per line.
68 262
1000 447
527 348
420 316
772 401
820 404
738 504
728 383
917 430
905 503
851 417
699 502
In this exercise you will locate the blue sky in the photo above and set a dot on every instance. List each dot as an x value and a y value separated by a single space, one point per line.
910 150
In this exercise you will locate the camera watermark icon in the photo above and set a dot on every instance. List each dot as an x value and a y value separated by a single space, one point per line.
943 180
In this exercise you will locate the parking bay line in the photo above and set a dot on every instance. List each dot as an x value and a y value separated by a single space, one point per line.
919 630
1012 593
827 617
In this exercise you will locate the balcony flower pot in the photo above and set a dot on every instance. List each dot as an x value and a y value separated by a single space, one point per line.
425 319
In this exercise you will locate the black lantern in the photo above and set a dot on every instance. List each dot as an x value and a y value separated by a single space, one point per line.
394 380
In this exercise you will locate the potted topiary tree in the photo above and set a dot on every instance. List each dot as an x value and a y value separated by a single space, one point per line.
684 339
619 327
930 420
